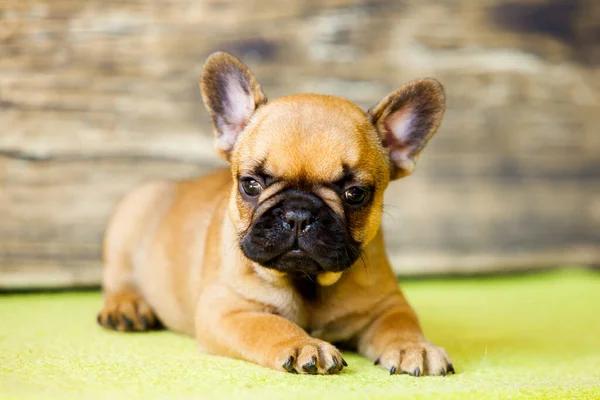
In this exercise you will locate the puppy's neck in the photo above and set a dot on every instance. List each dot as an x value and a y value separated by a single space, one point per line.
306 286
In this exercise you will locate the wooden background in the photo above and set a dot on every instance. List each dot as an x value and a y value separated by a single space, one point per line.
97 96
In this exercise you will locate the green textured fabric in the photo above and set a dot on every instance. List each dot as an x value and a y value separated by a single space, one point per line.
532 336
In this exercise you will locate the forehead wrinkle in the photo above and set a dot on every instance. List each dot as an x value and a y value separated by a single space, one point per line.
331 173
250 162
363 176
271 191
321 156
331 199
253 167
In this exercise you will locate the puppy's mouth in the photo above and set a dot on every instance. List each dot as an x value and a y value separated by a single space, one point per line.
295 253
295 261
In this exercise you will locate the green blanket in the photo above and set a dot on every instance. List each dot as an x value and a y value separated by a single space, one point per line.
532 336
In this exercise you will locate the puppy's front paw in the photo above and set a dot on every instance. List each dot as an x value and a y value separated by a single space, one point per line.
308 356
127 311
415 358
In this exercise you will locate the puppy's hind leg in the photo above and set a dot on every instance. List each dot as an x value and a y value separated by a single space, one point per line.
124 307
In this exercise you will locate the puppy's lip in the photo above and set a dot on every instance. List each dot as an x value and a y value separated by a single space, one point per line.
296 252
292 253
292 256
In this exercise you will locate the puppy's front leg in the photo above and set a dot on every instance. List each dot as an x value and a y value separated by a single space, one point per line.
395 341
229 325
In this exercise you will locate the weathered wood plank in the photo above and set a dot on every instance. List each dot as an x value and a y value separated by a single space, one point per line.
98 96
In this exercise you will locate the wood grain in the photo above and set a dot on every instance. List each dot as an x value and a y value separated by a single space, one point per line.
98 96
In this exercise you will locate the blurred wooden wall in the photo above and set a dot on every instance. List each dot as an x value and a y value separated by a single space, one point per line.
97 96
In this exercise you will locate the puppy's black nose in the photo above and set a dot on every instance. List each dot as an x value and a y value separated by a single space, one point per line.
298 220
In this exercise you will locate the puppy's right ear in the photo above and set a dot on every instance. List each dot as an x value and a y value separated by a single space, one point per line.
231 95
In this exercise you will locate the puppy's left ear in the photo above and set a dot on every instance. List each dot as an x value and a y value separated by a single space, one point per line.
231 95
406 119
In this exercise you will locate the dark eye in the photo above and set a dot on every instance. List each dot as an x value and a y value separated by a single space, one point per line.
356 195
251 187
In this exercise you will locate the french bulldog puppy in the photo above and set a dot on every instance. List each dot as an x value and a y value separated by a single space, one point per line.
277 257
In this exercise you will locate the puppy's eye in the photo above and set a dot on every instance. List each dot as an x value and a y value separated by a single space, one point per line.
251 187
356 195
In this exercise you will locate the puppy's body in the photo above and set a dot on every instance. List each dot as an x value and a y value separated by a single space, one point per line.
261 262
155 244
158 262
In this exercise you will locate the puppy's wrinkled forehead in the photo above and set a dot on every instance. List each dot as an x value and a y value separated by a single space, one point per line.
310 136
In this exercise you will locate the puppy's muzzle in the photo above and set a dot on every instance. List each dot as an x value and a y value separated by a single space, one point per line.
300 233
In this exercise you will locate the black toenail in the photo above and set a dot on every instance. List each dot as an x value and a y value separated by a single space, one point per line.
144 323
288 364
128 323
377 361
392 370
110 322
311 367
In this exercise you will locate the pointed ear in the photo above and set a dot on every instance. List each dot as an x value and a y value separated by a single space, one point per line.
231 95
406 119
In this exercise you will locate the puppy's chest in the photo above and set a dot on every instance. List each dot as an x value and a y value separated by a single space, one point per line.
318 311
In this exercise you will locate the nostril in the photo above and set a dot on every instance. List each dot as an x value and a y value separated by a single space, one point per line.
307 223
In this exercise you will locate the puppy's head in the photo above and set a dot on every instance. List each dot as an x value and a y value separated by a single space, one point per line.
310 170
